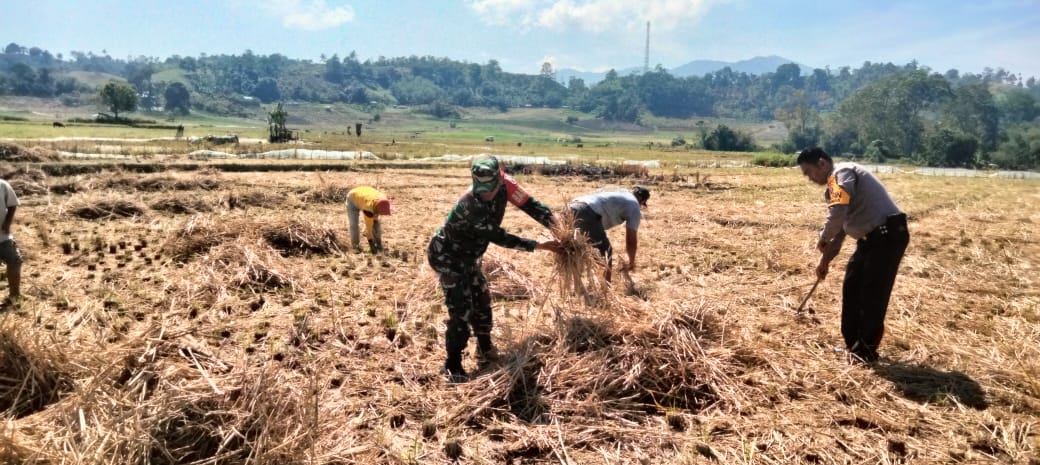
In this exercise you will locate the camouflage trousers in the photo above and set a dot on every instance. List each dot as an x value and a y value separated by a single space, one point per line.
467 297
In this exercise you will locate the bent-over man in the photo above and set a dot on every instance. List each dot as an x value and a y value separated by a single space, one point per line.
371 203
597 212
9 253
859 206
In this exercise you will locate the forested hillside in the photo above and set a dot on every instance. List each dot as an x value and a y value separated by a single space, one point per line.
879 110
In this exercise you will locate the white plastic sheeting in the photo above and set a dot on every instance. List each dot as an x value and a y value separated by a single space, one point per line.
288 154
514 159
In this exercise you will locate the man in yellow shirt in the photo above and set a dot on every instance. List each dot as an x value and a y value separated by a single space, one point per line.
372 203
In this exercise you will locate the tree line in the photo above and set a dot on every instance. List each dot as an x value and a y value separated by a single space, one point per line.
877 111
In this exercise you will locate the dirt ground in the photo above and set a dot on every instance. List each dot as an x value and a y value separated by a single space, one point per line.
179 317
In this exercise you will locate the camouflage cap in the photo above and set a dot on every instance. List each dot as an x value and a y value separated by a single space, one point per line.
486 174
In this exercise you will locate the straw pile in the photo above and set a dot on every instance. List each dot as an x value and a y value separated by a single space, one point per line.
603 366
25 180
18 153
106 209
579 267
168 183
171 401
181 205
505 279
325 193
34 374
298 237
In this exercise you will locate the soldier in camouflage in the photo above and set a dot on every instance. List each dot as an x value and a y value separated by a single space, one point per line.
456 249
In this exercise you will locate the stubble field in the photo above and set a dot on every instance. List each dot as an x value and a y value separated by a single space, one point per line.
214 317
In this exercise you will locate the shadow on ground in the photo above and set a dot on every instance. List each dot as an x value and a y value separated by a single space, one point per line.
925 384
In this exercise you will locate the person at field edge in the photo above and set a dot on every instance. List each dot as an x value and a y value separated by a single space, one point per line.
371 203
597 212
9 252
456 249
860 207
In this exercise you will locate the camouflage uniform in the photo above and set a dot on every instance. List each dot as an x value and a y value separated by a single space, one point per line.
455 252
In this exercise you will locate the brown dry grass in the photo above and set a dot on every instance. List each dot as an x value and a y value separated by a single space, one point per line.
16 153
248 334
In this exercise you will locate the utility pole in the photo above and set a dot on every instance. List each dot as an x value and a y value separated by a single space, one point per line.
646 55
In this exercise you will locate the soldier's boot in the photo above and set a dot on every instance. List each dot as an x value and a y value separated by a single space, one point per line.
486 351
453 371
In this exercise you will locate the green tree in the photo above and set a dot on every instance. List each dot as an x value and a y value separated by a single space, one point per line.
177 98
276 130
973 112
877 152
949 147
119 97
417 91
139 74
726 139
1017 106
802 122
547 71
1020 149
891 108
267 90
334 70
788 74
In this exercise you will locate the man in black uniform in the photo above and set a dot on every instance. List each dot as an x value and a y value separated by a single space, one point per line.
859 206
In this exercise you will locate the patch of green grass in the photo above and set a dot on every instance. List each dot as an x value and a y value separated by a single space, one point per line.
774 160
170 75
93 79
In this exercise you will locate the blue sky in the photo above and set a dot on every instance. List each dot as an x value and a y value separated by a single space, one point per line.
589 35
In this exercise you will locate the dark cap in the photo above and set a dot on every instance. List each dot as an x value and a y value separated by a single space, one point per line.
486 173
642 194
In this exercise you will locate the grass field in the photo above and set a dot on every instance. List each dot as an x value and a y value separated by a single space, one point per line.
326 125
218 317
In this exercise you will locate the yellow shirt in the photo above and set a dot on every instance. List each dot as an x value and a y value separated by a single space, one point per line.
365 199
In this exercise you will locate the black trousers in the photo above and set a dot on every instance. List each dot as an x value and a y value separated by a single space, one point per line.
590 223
869 278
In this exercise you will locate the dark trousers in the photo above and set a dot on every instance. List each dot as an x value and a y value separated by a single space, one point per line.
869 278
468 299
590 223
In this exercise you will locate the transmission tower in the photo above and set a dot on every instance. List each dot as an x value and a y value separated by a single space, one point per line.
646 54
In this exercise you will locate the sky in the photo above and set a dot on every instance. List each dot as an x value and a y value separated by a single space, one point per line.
587 35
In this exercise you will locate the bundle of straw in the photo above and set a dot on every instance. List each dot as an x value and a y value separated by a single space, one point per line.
108 209
579 266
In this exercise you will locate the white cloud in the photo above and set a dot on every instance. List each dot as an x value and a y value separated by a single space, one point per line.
309 15
591 15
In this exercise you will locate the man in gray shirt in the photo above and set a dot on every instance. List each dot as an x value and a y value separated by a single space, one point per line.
859 206
9 253
595 213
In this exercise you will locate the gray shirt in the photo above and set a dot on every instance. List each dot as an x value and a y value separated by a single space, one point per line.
615 207
7 200
858 203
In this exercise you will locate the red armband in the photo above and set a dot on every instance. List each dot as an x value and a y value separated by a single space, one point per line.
516 194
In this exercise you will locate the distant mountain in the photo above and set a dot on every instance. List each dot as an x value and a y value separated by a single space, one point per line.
756 65
590 77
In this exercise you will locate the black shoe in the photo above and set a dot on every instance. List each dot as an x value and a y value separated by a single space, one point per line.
487 356
454 375
864 357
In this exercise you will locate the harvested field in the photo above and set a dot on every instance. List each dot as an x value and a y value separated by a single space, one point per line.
16 153
226 321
